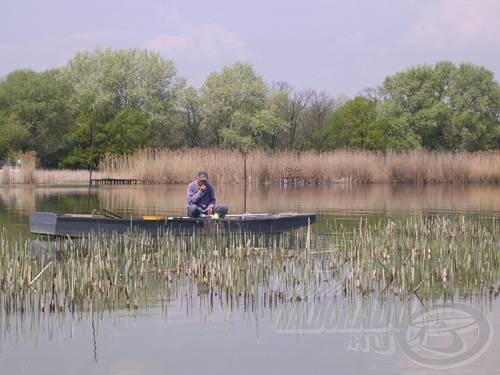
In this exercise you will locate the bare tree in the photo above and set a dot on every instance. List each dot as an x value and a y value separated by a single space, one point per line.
321 106
371 93
297 104
307 111
315 116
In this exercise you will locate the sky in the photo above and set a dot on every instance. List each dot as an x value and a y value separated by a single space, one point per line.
337 46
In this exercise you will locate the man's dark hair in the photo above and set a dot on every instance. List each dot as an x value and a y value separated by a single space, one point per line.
202 176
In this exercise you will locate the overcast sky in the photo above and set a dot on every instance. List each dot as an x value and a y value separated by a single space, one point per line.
340 46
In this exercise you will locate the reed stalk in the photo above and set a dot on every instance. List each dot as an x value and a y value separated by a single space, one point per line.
342 166
430 257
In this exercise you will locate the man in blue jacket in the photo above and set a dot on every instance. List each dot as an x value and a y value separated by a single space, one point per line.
201 199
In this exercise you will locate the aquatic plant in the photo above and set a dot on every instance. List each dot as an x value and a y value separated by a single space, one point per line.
431 257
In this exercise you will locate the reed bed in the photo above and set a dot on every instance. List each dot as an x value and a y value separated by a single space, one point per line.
31 176
226 166
64 177
437 257
24 174
343 166
28 167
430 258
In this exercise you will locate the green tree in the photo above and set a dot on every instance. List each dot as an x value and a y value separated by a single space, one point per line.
413 105
271 121
256 130
441 107
354 125
105 83
125 133
190 104
39 101
474 102
230 99
14 135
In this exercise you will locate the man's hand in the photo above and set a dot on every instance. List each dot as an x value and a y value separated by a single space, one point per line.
210 210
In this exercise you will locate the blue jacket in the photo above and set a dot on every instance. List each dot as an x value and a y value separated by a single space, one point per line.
203 199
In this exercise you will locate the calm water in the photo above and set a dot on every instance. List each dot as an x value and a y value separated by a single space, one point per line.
191 335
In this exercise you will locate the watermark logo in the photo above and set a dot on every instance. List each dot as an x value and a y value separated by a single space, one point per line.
446 336
437 336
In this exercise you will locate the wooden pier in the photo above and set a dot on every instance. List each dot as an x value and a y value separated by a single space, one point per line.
114 181
297 177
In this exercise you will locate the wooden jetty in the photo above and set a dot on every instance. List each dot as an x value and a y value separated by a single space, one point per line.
114 181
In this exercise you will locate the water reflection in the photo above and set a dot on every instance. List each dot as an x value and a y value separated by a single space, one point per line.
194 335
322 199
348 199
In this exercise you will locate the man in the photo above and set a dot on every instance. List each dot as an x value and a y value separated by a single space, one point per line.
201 199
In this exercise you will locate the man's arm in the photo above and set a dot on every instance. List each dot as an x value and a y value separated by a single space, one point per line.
193 194
211 195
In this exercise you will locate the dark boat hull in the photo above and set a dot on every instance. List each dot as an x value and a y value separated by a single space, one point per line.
82 225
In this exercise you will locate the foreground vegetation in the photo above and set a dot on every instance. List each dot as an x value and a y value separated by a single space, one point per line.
427 257
117 102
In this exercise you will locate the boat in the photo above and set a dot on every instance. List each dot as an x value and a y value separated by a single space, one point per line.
82 225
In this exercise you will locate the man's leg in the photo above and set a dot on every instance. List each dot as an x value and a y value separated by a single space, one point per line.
221 210
193 211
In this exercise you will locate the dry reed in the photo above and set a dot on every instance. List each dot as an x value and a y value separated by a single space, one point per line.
225 166
64 177
5 180
25 174
28 166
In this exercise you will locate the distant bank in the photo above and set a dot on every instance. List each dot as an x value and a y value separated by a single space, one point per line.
228 167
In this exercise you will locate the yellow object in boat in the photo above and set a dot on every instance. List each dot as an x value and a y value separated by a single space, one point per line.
152 217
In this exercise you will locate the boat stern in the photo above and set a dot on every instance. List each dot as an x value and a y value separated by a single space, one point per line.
43 223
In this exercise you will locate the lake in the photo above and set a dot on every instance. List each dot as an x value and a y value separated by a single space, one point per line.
325 307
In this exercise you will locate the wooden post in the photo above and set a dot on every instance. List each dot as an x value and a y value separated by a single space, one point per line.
92 147
244 181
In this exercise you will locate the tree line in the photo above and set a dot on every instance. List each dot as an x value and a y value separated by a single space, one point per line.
115 102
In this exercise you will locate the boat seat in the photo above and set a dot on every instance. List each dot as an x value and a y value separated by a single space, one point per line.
90 216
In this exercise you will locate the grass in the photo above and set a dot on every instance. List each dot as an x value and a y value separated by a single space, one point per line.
431 258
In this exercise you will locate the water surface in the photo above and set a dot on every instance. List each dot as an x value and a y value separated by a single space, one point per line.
191 333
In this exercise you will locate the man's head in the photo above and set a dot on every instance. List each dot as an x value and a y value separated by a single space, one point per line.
202 178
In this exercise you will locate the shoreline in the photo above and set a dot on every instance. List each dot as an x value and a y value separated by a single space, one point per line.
84 184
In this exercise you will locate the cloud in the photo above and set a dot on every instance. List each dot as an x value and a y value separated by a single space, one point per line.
209 42
457 24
